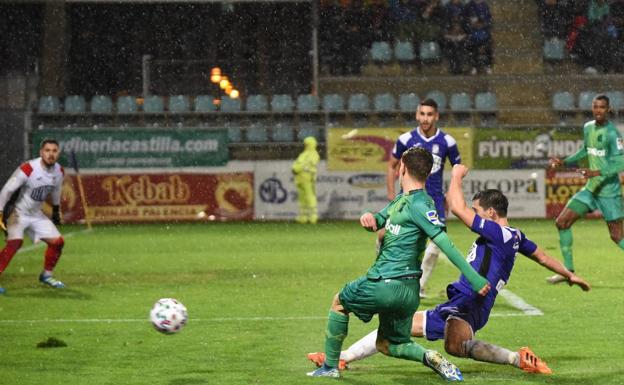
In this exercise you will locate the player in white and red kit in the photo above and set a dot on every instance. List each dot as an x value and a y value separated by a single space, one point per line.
20 201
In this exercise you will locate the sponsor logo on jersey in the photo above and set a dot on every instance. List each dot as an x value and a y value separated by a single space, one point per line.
596 152
435 149
433 218
393 229
40 194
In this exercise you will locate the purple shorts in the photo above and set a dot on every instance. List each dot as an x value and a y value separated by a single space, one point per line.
475 311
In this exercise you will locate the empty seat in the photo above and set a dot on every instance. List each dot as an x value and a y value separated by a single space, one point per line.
179 104
101 104
283 132
486 102
154 104
257 103
282 103
307 103
554 49
333 103
235 131
126 105
404 51
563 101
75 104
439 97
384 102
204 103
408 102
381 52
230 105
359 102
49 104
616 100
460 102
309 129
585 100
257 133
429 51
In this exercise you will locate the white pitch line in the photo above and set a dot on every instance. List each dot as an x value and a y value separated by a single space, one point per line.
41 244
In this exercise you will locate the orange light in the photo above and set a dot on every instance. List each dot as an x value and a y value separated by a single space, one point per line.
216 102
224 83
228 89
215 78
234 94
215 71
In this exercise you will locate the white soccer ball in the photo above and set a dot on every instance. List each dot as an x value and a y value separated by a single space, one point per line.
168 315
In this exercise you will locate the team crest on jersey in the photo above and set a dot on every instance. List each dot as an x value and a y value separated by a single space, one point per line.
620 143
435 149
433 218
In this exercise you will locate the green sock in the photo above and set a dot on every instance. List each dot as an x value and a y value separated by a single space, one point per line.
621 244
337 329
407 351
565 243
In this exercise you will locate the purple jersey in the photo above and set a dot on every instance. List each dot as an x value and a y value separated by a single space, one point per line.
441 146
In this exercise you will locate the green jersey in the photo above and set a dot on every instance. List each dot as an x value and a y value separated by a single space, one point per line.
409 220
604 148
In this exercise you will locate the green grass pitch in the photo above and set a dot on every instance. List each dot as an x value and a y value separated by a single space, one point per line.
258 296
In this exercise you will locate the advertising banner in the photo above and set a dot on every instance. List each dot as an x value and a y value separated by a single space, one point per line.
139 147
369 149
561 185
160 197
527 148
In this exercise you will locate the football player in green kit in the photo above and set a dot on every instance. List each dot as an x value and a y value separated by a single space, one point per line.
391 286
603 147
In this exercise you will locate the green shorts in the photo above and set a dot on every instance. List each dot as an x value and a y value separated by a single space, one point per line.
395 300
584 201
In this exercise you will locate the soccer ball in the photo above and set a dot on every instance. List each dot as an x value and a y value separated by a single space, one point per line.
168 315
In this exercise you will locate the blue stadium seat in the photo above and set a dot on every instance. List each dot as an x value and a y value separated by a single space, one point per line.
381 52
333 103
309 129
554 49
282 103
101 104
75 104
179 104
430 51
563 101
282 132
257 133
460 102
126 105
49 104
404 51
307 103
257 103
384 102
230 105
486 102
204 103
439 97
408 102
585 100
154 104
359 102
616 100
235 131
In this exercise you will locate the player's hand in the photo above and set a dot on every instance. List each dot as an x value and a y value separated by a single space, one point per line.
576 280
587 173
485 289
555 162
367 220
56 215
390 196
2 225
459 171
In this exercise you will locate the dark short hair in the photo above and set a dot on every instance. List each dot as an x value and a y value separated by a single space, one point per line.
418 162
602 97
48 140
493 198
429 103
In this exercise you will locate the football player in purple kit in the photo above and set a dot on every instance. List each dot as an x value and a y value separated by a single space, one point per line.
493 256
441 146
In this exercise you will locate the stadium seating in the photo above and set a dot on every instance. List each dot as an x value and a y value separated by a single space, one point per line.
101 104
381 52
257 103
384 102
282 103
308 129
404 51
75 104
439 97
486 102
204 103
230 105
554 49
585 100
49 105
616 101
235 131
430 51
257 133
460 102
127 105
408 102
282 132
179 104
358 103
153 104
307 103
333 103
563 101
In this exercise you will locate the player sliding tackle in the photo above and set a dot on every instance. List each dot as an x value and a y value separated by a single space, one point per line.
390 287
492 254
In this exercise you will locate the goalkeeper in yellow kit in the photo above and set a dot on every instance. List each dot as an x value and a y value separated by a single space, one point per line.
304 169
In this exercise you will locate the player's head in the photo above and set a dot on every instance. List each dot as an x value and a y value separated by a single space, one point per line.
49 151
427 114
600 107
417 162
490 204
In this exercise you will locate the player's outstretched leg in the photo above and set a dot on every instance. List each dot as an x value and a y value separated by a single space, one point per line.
429 261
442 366
430 358
531 363
337 330
318 358
52 255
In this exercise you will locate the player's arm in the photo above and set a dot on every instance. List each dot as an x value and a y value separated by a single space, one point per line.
15 182
56 202
391 175
455 196
374 222
453 152
554 265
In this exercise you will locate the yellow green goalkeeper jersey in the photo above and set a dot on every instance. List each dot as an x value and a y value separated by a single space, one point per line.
604 148
409 220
